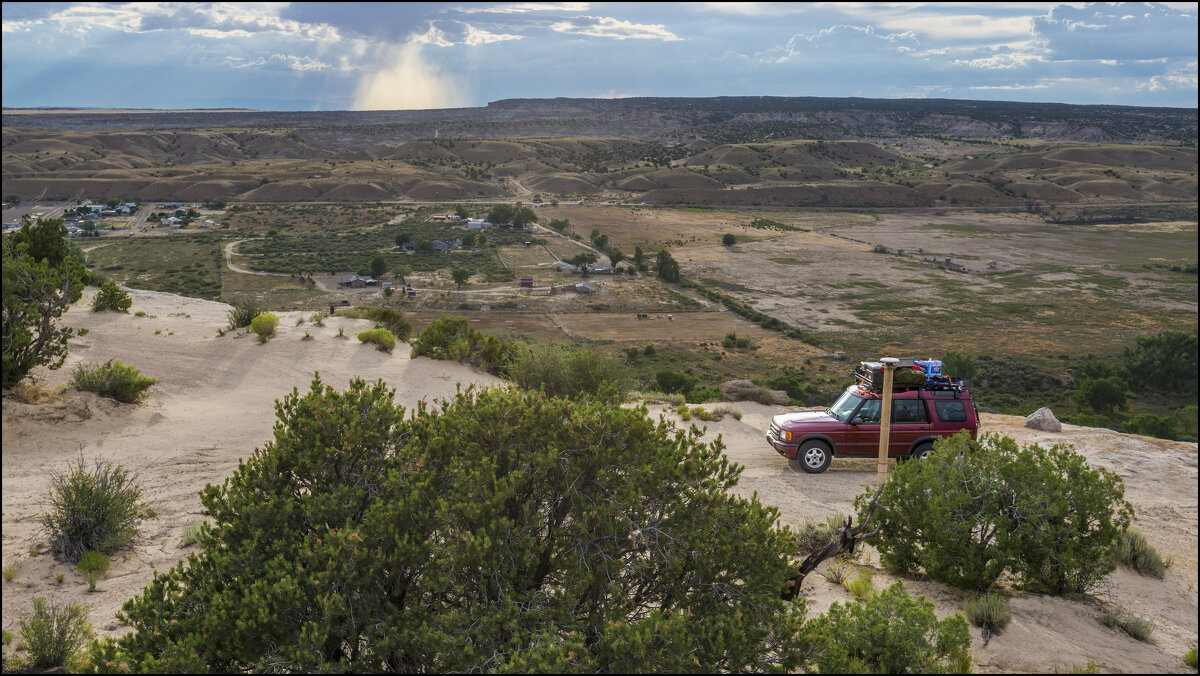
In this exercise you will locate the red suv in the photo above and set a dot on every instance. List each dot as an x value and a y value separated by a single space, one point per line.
850 428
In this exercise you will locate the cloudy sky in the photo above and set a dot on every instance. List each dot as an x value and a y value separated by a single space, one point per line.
367 56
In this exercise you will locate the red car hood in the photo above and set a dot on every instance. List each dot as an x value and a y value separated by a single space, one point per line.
789 421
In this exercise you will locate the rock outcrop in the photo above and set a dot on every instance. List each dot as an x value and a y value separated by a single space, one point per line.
1043 419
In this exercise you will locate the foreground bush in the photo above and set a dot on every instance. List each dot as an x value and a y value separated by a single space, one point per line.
112 379
381 338
888 633
93 509
504 530
975 510
54 632
244 311
562 370
111 297
264 325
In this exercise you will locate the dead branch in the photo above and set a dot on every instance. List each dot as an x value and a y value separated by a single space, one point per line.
848 537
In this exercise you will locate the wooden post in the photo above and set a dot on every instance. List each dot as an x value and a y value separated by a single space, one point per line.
885 419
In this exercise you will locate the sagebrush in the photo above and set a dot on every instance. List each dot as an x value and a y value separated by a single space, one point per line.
382 339
54 632
96 507
244 311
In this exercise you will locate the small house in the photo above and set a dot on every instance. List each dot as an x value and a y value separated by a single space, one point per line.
357 281
583 287
527 282
563 266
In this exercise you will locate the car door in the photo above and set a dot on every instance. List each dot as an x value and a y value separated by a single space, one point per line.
910 420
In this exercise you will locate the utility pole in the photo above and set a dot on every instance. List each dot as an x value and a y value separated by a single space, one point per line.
885 419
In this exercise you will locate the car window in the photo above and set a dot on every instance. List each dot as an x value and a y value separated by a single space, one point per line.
951 411
869 411
844 406
908 411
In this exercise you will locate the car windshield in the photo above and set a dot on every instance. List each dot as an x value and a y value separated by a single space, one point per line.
844 406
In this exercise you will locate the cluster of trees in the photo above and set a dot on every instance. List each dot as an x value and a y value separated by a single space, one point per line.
509 214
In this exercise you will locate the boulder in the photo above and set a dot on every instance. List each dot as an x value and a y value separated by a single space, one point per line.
744 390
1043 419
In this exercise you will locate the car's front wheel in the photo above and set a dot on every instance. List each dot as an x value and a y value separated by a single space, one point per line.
814 457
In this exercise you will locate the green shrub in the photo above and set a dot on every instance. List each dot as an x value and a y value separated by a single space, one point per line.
93 565
1137 627
502 529
96 509
1150 425
703 396
975 510
1091 420
1109 619
54 632
390 319
243 312
112 379
449 337
671 382
991 608
648 351
10 573
1189 658
1132 549
859 587
1090 668
685 413
111 297
564 370
1102 394
59 577
890 633
790 381
814 535
264 325
382 338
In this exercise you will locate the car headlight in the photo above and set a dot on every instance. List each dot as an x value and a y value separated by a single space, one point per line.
787 436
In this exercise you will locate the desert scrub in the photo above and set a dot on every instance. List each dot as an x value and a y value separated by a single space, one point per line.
307 336
59 577
264 325
10 573
726 409
1137 627
93 565
1132 549
383 339
243 312
812 536
685 412
93 509
991 609
111 297
112 379
1189 658
54 632
838 570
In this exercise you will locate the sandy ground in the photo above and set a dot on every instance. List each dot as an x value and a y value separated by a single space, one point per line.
214 404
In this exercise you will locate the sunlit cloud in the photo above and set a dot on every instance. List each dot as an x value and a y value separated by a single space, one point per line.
608 27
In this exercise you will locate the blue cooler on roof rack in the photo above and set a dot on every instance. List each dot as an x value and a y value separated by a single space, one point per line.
932 367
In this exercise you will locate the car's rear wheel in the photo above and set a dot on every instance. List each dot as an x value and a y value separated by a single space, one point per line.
921 451
814 457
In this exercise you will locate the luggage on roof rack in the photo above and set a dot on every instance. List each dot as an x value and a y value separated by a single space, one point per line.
905 376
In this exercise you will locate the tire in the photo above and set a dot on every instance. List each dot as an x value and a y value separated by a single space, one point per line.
921 451
813 456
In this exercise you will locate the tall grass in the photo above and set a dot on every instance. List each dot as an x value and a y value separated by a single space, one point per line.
1133 550
990 608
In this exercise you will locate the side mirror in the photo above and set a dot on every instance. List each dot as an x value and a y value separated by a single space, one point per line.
858 420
